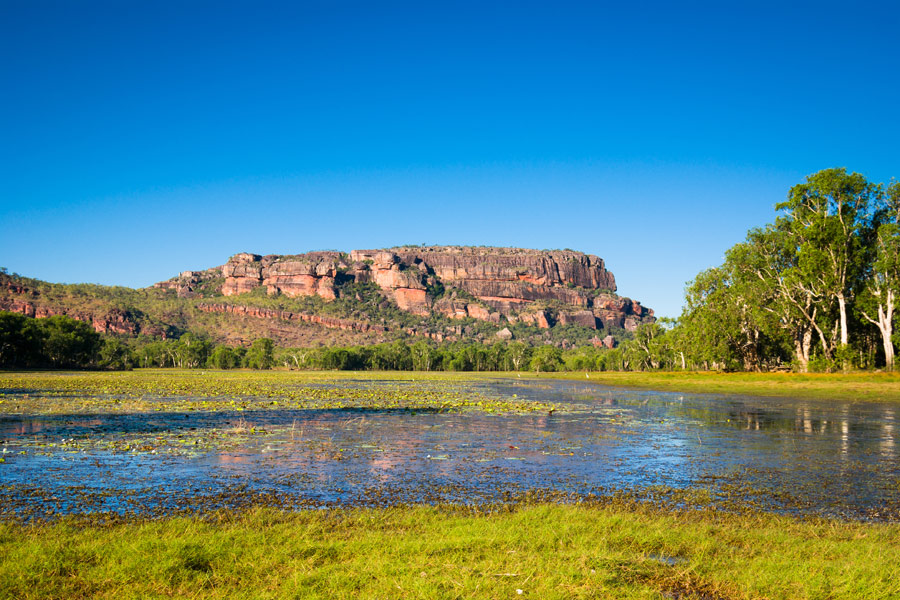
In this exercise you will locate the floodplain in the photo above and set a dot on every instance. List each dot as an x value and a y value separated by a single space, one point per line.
296 484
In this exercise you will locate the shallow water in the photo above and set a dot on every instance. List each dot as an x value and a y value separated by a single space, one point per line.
800 456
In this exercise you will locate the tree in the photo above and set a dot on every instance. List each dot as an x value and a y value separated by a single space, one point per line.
826 218
518 355
711 325
151 355
261 354
424 356
223 357
299 358
115 355
784 309
69 342
21 340
878 302
497 357
190 352
546 358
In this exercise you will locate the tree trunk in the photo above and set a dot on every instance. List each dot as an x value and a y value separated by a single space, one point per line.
801 350
885 324
842 305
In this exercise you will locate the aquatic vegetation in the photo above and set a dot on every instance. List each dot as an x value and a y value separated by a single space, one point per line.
210 391
150 442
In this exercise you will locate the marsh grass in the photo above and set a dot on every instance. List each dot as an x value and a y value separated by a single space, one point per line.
177 390
617 550
868 387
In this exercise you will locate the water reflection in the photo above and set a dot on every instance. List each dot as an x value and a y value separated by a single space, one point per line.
798 455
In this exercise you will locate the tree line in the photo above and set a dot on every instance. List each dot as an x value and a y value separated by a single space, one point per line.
58 342
815 290
64 342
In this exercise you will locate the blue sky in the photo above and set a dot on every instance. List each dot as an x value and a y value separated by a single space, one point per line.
141 139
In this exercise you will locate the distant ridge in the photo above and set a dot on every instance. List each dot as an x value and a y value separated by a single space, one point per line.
440 292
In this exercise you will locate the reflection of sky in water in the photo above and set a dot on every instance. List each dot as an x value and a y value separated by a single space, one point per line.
833 456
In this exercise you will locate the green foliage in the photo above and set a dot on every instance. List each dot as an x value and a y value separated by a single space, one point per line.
57 341
224 357
21 341
69 342
261 354
115 354
805 291
546 359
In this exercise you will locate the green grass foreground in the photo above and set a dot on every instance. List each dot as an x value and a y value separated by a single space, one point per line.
544 550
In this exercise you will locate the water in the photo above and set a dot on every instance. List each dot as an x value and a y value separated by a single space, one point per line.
798 456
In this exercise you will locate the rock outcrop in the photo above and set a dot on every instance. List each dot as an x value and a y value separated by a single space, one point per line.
540 288
113 321
301 275
265 313
503 288
328 322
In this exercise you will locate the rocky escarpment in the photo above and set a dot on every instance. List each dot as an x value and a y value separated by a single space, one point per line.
266 313
24 300
324 321
496 285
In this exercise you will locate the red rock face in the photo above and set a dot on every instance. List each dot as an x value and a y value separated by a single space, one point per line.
265 313
538 319
111 322
413 300
504 281
582 318
307 274
460 265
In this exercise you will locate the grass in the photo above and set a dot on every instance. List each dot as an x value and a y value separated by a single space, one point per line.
617 550
869 387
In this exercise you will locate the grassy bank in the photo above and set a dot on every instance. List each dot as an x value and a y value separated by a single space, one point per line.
870 387
546 551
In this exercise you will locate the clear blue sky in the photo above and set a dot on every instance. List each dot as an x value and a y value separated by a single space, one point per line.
141 139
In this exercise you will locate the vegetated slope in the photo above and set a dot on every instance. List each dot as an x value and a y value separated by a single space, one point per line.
441 293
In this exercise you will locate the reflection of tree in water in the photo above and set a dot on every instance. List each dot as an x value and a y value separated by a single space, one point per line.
853 428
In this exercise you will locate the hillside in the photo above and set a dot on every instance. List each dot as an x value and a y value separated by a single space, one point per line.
441 293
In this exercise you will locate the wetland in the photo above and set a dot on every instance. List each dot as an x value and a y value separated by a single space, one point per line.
159 443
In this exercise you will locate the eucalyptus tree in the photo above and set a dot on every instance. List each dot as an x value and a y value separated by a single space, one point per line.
261 354
651 347
21 340
424 356
727 321
518 355
878 302
826 219
703 330
771 259
546 358
69 342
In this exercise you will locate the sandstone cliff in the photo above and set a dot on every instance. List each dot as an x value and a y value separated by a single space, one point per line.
540 288
446 293
23 299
